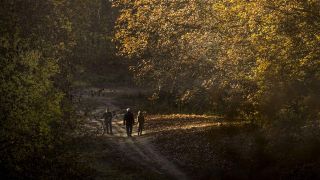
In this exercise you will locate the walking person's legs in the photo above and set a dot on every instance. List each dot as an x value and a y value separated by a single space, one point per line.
128 129
109 127
110 123
106 126
141 128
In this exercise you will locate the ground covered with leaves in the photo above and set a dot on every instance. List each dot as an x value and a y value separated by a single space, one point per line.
208 147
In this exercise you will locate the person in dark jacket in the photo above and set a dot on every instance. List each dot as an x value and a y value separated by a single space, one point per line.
128 121
140 119
108 121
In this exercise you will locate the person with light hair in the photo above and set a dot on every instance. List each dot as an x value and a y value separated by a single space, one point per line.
128 121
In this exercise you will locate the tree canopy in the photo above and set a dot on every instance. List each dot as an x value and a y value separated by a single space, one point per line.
250 58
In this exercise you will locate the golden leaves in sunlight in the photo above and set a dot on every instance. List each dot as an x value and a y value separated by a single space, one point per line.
224 50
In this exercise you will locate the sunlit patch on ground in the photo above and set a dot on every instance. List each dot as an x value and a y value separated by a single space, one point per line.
182 116
161 123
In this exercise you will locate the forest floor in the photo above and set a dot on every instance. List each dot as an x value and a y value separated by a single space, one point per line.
186 146
134 157
175 146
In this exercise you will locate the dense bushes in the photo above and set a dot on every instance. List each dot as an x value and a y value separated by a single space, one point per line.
40 43
29 101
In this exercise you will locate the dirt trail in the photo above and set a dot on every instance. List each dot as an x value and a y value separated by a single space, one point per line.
136 148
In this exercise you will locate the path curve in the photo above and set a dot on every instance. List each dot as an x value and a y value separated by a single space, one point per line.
137 148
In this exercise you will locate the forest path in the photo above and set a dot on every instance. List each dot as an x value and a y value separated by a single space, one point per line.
136 148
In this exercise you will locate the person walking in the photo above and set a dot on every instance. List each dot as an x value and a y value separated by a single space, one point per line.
108 121
128 121
140 119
